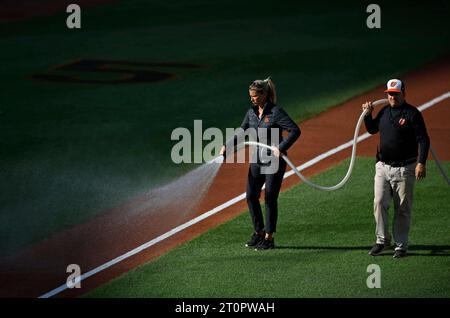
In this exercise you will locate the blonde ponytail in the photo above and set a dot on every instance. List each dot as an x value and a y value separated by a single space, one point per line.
272 93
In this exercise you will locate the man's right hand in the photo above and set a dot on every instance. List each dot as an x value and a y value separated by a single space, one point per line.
367 106
421 171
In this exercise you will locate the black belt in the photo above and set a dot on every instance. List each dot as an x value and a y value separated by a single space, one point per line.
400 163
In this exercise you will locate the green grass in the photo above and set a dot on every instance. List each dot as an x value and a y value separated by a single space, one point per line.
71 151
323 241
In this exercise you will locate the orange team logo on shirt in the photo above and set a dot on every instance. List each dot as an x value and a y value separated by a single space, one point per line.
402 121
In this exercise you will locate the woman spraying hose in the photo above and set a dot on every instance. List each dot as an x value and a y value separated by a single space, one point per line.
263 116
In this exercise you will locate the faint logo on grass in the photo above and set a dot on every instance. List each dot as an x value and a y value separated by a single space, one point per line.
101 71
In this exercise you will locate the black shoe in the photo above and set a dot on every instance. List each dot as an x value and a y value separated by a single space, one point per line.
378 248
265 245
255 240
399 253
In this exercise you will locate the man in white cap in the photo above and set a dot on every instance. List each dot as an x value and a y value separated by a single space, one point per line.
402 131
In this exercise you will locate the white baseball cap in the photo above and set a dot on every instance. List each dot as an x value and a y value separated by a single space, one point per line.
394 85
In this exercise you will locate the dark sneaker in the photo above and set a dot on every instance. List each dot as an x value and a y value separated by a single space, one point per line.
255 240
378 248
399 253
265 245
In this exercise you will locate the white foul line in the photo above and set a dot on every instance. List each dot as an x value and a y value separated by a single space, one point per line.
220 208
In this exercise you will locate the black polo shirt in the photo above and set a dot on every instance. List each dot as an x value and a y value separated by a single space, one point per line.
402 129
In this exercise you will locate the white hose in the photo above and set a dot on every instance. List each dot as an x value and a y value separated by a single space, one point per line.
352 160
220 159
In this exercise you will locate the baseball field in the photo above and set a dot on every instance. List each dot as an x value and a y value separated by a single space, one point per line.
86 117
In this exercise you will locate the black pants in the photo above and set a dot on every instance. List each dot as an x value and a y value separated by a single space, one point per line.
273 185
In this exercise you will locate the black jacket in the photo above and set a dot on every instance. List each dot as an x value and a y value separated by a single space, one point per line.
402 129
273 116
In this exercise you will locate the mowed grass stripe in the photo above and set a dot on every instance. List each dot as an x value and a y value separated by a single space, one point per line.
323 242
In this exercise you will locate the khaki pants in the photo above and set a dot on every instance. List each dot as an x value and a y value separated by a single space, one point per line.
397 184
